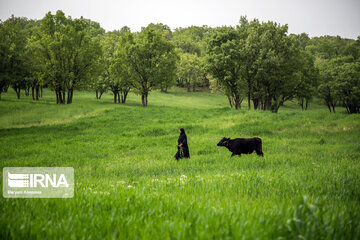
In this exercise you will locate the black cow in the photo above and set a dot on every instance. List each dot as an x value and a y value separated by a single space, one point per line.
242 145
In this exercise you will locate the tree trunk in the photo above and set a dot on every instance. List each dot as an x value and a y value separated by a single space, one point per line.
26 91
114 96
261 104
230 101
328 105
70 95
37 93
118 97
32 93
57 96
101 93
60 96
256 103
347 109
143 100
276 108
237 102
17 90
267 103
124 94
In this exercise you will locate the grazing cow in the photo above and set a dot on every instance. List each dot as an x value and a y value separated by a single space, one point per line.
242 145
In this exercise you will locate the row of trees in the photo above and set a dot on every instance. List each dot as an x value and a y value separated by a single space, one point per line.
58 52
259 61
338 65
256 61
66 54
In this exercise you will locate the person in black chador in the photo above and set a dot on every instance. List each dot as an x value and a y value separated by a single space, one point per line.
183 149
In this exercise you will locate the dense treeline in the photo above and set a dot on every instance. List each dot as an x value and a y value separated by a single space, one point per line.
256 61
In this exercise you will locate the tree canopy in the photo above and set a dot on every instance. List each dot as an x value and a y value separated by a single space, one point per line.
257 61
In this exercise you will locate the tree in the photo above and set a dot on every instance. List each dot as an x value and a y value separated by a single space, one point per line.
250 33
167 75
346 74
162 29
36 67
308 82
337 61
108 42
224 60
190 70
278 67
13 60
121 69
191 39
327 85
69 53
150 57
114 70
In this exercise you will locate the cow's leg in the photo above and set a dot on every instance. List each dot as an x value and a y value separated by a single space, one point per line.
260 153
259 149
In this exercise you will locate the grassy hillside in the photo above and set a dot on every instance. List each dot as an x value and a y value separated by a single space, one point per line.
128 185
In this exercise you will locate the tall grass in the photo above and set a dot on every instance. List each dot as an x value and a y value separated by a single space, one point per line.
129 186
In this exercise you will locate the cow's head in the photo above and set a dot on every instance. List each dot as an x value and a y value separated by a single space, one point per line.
223 142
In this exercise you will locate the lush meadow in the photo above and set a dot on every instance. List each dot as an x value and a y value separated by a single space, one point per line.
128 185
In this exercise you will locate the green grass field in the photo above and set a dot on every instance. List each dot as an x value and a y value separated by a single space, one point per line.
128 185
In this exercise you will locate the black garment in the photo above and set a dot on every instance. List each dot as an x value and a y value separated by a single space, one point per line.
183 151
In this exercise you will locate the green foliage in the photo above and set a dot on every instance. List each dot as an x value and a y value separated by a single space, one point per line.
161 28
191 39
152 58
260 60
257 61
69 53
347 83
13 58
338 65
328 47
224 60
339 75
306 90
190 71
326 89
276 64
